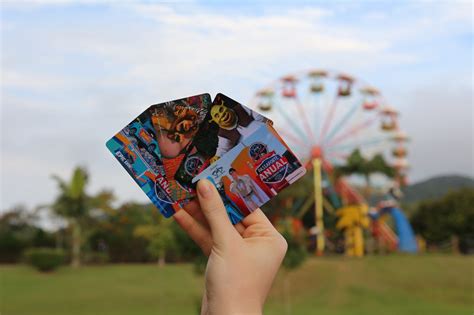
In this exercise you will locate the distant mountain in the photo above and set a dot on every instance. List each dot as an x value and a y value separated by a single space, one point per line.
435 187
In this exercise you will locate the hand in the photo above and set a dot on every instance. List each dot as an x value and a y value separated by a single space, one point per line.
243 259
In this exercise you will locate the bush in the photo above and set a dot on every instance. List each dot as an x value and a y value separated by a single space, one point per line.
296 253
452 215
45 259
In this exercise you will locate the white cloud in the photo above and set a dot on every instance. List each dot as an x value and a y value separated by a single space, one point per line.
31 81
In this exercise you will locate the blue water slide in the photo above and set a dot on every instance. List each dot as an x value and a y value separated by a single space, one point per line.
406 237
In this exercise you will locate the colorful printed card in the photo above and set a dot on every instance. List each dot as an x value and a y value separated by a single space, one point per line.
170 143
226 124
253 171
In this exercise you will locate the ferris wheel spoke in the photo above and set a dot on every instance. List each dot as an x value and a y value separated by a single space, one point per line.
353 131
304 118
336 160
328 120
292 123
366 143
313 107
337 154
294 139
317 118
340 124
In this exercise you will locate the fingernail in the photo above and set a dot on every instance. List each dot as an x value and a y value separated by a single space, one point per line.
204 188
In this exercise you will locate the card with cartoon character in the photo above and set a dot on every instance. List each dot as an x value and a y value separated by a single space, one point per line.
170 143
227 122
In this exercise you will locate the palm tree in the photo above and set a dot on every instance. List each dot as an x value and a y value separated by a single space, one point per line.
75 205
378 165
357 164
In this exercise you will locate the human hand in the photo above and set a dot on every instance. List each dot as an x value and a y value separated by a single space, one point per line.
243 259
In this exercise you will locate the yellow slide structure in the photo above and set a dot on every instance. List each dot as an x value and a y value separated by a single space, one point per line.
353 219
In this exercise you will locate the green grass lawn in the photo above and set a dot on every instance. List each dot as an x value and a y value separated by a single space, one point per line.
334 285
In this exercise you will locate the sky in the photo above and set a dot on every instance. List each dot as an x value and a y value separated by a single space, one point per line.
74 72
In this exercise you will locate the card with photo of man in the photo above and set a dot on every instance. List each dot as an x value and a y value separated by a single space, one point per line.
253 171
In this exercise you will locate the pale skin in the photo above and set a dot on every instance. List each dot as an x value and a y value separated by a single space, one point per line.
243 258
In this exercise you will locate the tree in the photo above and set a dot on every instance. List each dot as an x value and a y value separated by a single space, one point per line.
452 215
160 237
358 165
75 205
18 232
127 231
378 165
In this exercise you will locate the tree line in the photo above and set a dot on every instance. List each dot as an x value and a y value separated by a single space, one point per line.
96 231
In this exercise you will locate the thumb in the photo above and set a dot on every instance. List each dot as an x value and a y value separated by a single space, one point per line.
211 205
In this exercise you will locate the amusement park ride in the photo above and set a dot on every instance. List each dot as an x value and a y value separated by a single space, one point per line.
325 117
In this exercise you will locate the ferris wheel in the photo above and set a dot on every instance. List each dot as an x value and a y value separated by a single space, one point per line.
327 115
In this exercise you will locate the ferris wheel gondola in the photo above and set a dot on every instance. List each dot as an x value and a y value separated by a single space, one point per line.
289 87
317 76
265 96
370 97
345 85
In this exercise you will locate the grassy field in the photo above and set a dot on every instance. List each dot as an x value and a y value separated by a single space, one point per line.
373 285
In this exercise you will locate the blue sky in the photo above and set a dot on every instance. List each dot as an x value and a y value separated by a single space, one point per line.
74 72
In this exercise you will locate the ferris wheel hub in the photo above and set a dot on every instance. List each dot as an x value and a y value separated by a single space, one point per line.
316 152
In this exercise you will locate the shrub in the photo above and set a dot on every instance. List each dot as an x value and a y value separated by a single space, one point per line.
296 253
200 264
452 215
44 259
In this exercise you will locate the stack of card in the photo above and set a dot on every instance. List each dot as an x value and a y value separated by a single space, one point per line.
171 146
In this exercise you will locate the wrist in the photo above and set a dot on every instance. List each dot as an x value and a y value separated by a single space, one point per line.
231 309
234 312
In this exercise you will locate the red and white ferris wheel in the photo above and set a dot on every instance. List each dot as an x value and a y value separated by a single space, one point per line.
326 115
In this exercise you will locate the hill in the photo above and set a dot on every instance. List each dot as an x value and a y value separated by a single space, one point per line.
435 187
